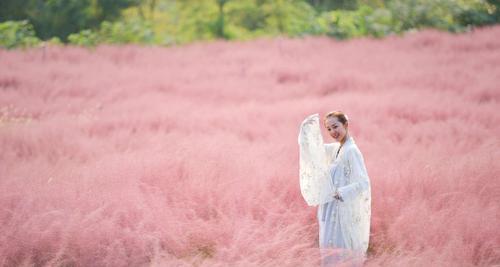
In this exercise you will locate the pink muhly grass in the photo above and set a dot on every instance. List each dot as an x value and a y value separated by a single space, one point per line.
182 156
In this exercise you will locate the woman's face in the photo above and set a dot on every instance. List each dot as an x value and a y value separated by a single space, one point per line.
335 128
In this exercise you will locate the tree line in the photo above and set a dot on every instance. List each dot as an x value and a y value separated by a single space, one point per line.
166 22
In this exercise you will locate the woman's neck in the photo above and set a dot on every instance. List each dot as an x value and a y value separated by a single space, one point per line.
344 139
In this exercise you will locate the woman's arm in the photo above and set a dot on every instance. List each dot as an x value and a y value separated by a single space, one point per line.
315 182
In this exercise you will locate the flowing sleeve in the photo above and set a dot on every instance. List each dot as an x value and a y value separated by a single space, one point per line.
316 185
359 176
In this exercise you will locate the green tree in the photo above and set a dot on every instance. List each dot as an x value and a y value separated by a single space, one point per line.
292 17
495 9
62 17
17 34
219 24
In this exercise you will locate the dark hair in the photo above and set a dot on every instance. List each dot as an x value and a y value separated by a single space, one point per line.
341 117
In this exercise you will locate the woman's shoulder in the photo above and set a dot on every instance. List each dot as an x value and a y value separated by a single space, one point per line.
350 147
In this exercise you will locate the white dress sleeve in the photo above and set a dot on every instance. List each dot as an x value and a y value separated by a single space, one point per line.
315 183
359 176
357 196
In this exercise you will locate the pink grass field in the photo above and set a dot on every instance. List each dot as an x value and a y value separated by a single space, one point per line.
188 156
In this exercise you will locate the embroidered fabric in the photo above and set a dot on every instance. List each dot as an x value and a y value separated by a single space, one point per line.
354 188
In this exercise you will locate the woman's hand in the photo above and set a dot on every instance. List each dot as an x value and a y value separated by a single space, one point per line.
337 196
308 122
311 119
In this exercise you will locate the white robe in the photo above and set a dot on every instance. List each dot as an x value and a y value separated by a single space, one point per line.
343 224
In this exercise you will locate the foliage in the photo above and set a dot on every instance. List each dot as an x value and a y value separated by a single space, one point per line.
361 22
17 34
343 24
128 31
62 17
494 9
250 18
165 22
196 21
477 13
84 38
402 15
188 21
293 18
245 20
328 5
451 15
121 32
379 22
415 14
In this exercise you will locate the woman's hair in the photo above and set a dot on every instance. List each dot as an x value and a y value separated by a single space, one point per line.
341 117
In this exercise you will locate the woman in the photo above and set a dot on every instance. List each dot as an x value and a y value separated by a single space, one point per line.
339 184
